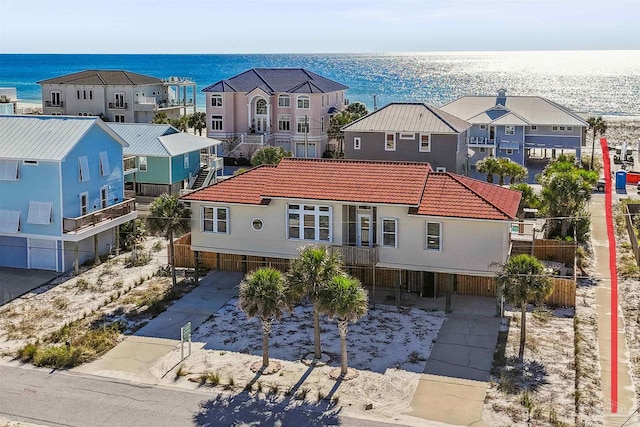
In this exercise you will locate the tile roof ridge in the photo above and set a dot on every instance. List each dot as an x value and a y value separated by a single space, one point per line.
357 161
458 179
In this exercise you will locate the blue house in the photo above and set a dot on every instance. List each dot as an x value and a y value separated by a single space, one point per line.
160 159
61 191
511 126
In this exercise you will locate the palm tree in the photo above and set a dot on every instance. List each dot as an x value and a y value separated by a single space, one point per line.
269 156
347 301
197 121
522 279
308 275
514 171
597 125
170 217
263 294
160 118
488 165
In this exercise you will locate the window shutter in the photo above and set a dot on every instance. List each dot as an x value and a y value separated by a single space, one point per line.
104 164
84 169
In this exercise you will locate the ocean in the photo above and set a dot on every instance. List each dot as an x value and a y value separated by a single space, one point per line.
597 82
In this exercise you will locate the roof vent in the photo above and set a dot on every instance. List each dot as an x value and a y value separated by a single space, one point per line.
502 97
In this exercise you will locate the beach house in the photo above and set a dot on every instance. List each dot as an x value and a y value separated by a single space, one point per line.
400 217
160 159
284 107
405 131
8 100
62 187
117 95
511 126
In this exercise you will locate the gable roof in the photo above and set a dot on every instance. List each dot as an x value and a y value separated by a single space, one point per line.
534 110
277 80
413 185
158 140
451 195
103 78
45 137
409 117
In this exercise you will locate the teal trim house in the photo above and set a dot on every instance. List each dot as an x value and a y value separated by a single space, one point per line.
62 191
160 159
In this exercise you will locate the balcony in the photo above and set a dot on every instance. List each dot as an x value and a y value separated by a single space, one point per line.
118 105
129 165
478 141
85 222
358 255
53 104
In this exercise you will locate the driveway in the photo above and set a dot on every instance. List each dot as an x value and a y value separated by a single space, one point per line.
15 282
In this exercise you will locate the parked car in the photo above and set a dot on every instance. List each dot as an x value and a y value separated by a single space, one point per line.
601 185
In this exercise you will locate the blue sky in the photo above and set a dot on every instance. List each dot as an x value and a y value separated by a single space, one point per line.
297 26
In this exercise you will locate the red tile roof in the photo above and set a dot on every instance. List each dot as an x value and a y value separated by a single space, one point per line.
367 182
452 195
246 188
356 181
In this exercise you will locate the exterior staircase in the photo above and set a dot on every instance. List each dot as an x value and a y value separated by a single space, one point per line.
201 178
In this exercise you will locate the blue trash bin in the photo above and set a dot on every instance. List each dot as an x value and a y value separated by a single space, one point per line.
621 180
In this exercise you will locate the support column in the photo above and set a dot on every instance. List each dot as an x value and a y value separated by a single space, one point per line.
117 240
96 255
76 267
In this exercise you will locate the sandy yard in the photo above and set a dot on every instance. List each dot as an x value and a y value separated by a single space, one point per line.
389 347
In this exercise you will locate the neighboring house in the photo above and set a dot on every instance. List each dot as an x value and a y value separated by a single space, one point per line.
159 159
394 215
510 126
285 107
62 190
402 131
117 95
8 100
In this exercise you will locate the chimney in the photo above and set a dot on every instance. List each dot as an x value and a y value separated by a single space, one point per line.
375 103
501 99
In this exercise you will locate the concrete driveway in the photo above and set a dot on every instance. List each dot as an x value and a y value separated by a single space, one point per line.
15 282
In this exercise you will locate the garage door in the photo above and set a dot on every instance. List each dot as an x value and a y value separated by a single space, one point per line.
13 252
42 254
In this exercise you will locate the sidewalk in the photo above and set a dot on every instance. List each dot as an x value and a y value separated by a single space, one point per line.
626 393
134 357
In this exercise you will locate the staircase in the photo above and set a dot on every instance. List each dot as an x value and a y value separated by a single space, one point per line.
202 176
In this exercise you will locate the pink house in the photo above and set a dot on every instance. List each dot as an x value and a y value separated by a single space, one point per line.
284 107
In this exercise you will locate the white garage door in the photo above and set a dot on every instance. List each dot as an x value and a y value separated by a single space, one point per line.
42 254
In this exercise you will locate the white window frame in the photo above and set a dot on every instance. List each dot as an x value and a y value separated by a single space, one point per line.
83 168
562 129
185 160
407 136
84 194
303 102
554 128
421 147
441 169
315 211
322 124
143 163
257 220
483 127
116 96
569 128
9 221
105 170
386 142
534 127
394 233
509 151
300 121
356 142
56 101
40 213
427 235
119 118
104 201
9 170
483 149
282 120
284 101
217 122
216 100
509 130
215 219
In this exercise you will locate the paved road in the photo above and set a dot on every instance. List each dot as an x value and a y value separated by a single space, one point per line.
65 399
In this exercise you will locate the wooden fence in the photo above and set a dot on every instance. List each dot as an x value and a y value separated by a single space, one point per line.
630 211
555 250
564 290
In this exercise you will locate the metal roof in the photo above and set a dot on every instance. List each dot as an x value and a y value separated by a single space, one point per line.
277 80
409 117
535 110
45 137
103 77
158 140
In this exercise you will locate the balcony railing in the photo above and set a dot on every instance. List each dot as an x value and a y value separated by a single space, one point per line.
358 255
129 164
118 105
53 104
74 225
481 141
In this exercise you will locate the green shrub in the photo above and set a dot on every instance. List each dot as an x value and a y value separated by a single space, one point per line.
57 357
26 353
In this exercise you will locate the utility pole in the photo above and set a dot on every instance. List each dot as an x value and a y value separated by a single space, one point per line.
306 131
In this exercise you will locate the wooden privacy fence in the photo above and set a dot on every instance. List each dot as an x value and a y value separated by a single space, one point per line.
564 290
555 250
630 211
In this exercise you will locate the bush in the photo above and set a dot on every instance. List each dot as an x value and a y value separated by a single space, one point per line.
57 357
26 353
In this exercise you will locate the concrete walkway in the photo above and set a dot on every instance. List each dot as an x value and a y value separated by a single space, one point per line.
626 393
134 357
455 381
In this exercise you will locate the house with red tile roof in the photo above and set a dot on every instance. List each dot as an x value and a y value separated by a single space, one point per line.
393 215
